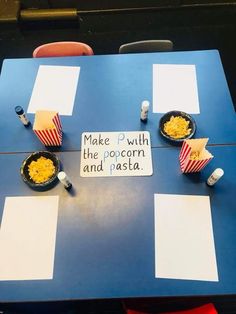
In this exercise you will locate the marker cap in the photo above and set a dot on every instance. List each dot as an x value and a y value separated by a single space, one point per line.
19 110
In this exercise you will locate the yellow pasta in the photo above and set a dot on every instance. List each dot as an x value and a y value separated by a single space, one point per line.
41 170
177 127
194 156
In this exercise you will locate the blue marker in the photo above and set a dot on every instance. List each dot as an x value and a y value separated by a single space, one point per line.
22 116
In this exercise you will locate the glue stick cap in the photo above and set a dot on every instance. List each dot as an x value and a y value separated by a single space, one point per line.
19 110
218 173
145 104
215 176
61 175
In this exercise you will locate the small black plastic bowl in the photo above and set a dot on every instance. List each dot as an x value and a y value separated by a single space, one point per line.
166 117
47 184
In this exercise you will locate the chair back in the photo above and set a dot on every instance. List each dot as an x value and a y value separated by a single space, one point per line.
63 49
146 46
204 309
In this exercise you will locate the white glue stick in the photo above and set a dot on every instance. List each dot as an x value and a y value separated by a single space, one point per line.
64 180
215 176
144 111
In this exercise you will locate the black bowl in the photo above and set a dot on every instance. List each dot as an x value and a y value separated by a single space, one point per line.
47 184
166 117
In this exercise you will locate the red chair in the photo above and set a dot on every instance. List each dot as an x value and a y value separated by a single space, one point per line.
63 49
204 309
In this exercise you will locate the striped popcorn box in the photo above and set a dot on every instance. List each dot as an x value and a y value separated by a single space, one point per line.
47 127
193 155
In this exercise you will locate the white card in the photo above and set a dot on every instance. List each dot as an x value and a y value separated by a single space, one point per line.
28 237
184 242
54 89
175 88
116 154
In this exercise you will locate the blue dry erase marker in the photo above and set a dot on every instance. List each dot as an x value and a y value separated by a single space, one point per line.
22 116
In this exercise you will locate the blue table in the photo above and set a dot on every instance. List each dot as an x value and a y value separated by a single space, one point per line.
105 235
109 95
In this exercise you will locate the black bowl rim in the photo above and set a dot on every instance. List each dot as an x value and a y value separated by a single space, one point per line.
178 113
46 183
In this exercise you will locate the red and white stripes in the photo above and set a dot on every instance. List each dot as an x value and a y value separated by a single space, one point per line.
51 137
184 154
188 165
56 120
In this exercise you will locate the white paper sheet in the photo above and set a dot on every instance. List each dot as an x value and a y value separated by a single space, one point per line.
116 154
54 89
184 243
175 88
28 237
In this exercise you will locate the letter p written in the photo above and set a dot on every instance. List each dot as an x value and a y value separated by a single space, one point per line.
121 137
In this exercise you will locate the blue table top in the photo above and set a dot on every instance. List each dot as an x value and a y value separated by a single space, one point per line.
105 234
109 95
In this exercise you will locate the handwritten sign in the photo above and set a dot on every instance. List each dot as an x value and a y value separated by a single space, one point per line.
105 154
